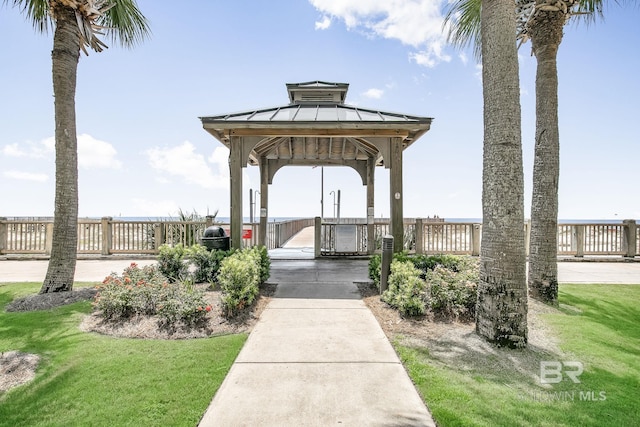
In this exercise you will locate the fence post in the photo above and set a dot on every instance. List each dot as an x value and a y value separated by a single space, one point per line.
317 237
527 236
3 234
475 239
629 238
158 236
419 236
48 238
209 221
107 239
577 240
278 235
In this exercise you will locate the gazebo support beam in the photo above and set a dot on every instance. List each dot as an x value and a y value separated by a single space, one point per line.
264 200
235 186
371 173
395 187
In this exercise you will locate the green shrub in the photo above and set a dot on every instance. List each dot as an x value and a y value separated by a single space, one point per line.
265 262
375 265
375 269
171 262
452 294
183 304
206 263
406 289
145 291
426 263
239 277
445 285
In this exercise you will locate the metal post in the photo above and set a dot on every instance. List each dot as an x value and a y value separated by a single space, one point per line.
338 207
334 204
255 202
251 205
321 194
385 265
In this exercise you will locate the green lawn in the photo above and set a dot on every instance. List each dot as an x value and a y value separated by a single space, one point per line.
93 380
596 325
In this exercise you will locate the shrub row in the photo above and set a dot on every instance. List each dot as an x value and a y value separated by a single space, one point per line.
445 285
145 291
167 289
196 263
238 273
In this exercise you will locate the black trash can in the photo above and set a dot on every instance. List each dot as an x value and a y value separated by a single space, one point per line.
214 237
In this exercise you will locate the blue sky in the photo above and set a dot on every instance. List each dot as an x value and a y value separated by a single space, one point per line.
143 151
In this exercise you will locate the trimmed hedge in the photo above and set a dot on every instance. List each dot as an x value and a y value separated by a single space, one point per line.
443 285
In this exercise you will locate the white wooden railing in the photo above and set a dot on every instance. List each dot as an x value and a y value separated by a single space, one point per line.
109 236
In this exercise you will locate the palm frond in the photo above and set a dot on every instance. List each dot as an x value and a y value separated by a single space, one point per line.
462 23
36 11
124 22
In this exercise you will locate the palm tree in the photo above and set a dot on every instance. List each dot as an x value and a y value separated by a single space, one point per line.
78 23
541 21
501 311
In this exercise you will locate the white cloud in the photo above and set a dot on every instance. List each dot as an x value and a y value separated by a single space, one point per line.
13 150
93 153
464 58
417 23
28 149
26 176
184 162
374 93
430 56
478 73
324 24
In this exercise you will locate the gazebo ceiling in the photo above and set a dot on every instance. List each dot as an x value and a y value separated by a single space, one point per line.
316 128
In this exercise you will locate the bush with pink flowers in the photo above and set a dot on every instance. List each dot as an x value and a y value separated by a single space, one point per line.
146 292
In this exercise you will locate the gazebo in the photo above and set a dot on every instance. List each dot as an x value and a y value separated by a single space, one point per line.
316 128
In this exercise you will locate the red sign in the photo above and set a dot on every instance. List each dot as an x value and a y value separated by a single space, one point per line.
246 234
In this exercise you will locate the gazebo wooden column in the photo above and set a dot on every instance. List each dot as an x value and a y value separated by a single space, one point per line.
371 238
235 186
395 188
264 201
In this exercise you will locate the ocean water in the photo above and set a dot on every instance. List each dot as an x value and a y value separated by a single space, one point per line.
220 219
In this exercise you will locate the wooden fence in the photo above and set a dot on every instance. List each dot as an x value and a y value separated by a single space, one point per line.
109 236
439 237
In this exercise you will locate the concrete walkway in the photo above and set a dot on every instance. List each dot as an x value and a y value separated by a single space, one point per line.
317 357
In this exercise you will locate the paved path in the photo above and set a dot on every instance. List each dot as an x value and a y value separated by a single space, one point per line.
86 270
317 357
97 270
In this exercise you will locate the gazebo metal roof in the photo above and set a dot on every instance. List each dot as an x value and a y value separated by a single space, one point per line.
316 127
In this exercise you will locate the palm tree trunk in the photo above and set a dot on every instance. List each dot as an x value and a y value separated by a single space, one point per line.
65 55
546 35
501 313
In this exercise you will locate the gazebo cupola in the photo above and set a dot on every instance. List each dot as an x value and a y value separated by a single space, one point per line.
317 92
